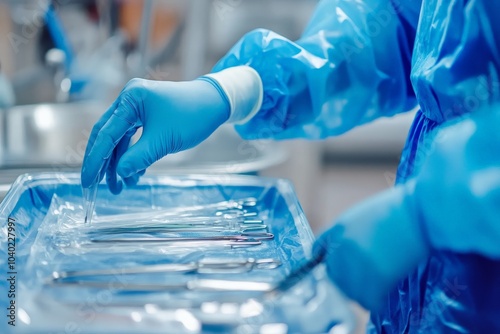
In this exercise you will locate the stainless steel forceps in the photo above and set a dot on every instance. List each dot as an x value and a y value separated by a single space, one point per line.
204 266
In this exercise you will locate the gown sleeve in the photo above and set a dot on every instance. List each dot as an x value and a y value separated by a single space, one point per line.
451 205
351 65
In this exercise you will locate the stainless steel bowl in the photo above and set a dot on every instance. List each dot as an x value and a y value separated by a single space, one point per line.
54 136
47 135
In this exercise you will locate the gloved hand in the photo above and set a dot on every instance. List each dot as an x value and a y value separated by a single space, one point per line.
373 245
175 116
451 204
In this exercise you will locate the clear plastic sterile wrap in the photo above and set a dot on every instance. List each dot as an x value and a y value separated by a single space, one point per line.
98 278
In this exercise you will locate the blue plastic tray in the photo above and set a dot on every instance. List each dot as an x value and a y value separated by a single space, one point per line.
29 199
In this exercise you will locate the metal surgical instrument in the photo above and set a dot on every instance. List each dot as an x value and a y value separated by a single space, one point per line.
243 237
89 197
143 218
181 244
244 208
196 284
239 228
205 266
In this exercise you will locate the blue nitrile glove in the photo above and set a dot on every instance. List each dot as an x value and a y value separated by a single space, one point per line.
175 116
373 245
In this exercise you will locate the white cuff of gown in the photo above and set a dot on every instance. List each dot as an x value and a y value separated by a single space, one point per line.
244 91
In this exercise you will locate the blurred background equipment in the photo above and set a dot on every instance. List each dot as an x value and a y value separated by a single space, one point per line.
66 60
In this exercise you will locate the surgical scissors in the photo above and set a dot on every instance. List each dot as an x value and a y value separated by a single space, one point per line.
204 266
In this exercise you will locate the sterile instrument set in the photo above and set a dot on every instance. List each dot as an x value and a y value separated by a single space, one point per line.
175 255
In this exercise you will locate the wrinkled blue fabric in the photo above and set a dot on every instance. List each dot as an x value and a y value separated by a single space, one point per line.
339 74
353 65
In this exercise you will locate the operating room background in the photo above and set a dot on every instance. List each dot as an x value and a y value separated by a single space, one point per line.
329 176
185 40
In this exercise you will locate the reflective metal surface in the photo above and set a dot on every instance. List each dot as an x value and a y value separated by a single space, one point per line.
47 135
53 137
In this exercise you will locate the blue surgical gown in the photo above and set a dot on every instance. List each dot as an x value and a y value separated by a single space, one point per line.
362 59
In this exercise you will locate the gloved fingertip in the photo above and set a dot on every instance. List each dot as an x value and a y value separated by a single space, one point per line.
124 169
116 187
132 180
85 182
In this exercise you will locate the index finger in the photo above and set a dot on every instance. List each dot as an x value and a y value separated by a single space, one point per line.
98 126
104 140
